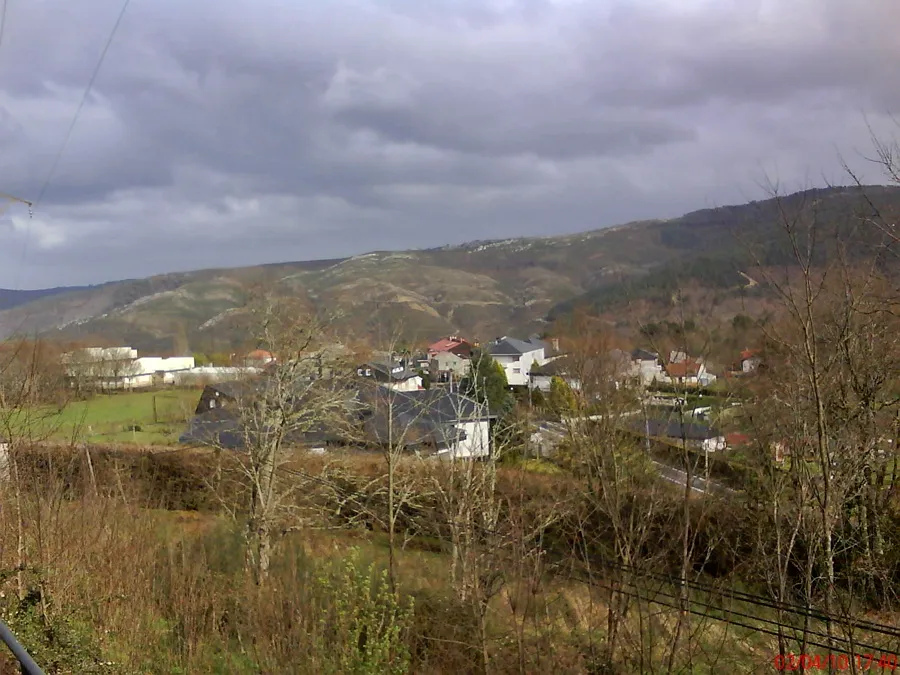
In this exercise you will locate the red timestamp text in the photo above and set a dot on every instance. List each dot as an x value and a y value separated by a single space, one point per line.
858 662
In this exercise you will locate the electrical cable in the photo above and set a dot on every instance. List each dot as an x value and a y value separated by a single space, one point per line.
68 136
738 596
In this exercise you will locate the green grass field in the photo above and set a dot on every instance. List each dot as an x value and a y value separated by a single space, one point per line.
110 418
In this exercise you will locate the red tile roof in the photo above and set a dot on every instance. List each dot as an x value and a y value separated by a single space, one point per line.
749 353
446 344
260 355
736 439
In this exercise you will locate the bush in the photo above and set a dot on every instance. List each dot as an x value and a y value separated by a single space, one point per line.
363 622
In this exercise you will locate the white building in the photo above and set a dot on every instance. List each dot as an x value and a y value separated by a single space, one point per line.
517 356
646 367
212 374
121 368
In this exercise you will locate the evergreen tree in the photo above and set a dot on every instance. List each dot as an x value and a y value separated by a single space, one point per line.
486 381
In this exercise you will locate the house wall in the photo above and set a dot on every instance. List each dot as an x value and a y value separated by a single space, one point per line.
412 384
647 372
449 362
518 368
147 365
541 382
477 442
713 444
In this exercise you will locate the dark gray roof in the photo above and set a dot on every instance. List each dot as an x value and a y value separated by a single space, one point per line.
223 427
507 346
560 366
424 416
674 429
644 355
384 369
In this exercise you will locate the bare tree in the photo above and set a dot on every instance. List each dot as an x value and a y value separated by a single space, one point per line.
304 393
830 399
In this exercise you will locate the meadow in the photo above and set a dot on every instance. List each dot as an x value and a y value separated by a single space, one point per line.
137 418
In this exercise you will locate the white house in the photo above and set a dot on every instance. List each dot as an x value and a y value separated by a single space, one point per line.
517 356
750 360
471 439
646 367
156 370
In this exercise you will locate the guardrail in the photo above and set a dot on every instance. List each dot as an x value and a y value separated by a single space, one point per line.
29 667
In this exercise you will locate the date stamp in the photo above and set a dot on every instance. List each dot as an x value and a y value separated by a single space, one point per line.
858 662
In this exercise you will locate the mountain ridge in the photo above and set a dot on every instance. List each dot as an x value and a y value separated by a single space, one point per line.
481 288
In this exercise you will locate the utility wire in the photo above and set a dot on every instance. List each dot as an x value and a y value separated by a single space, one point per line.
68 136
81 103
670 596
738 596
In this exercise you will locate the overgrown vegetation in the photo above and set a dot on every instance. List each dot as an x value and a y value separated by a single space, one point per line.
611 552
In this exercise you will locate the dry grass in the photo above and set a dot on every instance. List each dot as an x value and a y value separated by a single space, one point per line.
164 591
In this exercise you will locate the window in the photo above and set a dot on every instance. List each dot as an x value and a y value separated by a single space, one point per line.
516 371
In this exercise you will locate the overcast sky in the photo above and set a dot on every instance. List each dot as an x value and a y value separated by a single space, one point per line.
230 132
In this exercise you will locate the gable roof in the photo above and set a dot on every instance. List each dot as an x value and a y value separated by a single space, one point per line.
507 346
644 355
428 415
221 427
448 344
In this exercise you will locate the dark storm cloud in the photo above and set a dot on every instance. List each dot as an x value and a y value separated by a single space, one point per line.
225 133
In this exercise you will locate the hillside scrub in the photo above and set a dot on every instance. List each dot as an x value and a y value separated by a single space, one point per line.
111 577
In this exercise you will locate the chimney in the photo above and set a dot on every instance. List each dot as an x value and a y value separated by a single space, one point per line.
555 343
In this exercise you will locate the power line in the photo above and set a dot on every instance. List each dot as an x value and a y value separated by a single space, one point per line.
733 594
68 136
81 103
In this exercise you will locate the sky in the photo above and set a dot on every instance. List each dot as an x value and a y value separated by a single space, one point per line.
237 132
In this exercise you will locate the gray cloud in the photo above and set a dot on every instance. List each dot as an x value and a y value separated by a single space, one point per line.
246 132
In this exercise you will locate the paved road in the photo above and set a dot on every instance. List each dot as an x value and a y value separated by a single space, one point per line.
698 484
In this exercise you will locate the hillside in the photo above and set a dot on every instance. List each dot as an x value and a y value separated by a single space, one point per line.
10 298
481 288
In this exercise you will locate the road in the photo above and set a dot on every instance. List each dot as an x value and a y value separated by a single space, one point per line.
698 484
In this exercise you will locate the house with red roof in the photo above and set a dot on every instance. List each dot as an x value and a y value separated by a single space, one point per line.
750 360
690 372
452 344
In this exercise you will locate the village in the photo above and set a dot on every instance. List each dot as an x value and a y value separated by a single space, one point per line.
677 398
